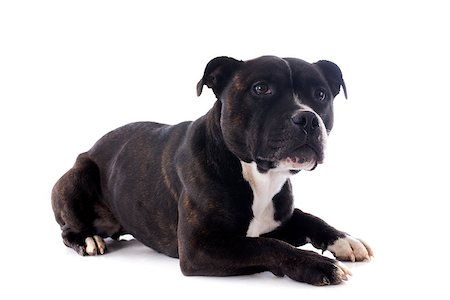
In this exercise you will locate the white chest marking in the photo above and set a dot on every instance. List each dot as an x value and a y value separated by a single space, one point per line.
265 187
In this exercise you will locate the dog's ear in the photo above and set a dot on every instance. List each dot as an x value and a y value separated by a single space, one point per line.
333 75
217 74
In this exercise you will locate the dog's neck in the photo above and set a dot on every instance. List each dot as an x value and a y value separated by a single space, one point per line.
216 147
213 129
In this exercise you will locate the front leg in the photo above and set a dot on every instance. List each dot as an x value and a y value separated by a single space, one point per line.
208 245
225 256
304 228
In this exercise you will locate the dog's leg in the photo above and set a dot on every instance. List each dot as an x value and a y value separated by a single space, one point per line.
305 228
216 252
75 202
240 256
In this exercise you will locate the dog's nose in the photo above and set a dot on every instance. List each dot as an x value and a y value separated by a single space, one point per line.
307 120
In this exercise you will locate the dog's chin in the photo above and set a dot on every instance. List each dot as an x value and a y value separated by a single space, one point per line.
295 166
304 158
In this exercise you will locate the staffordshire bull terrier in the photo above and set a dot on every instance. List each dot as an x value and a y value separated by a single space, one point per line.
215 192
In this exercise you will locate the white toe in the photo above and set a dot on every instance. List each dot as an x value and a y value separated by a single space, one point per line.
91 247
342 271
101 246
351 249
344 268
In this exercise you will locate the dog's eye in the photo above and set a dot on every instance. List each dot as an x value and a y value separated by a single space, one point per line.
261 88
320 95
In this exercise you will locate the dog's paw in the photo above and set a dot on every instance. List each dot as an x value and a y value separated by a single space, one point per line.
316 269
334 273
94 245
349 248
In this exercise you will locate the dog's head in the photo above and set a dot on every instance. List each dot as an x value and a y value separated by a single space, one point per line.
276 112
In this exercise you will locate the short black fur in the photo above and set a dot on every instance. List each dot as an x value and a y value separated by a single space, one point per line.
180 189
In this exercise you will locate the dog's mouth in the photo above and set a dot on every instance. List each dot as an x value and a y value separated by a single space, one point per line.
304 157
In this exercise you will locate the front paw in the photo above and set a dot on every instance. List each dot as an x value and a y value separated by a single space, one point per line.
349 248
316 269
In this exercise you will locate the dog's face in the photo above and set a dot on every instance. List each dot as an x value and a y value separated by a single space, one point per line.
275 112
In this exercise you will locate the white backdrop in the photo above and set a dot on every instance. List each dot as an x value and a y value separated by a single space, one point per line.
72 70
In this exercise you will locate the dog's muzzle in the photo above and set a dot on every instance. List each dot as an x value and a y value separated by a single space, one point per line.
310 153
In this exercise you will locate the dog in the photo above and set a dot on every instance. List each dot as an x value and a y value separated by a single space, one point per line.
215 192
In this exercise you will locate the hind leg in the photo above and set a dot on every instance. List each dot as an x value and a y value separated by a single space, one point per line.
78 209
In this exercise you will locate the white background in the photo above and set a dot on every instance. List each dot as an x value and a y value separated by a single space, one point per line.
71 71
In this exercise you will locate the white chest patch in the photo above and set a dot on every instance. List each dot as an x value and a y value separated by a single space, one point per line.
265 187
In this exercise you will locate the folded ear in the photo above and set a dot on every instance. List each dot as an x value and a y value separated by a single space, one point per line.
333 75
217 74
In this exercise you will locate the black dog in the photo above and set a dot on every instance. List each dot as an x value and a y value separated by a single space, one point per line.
216 192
